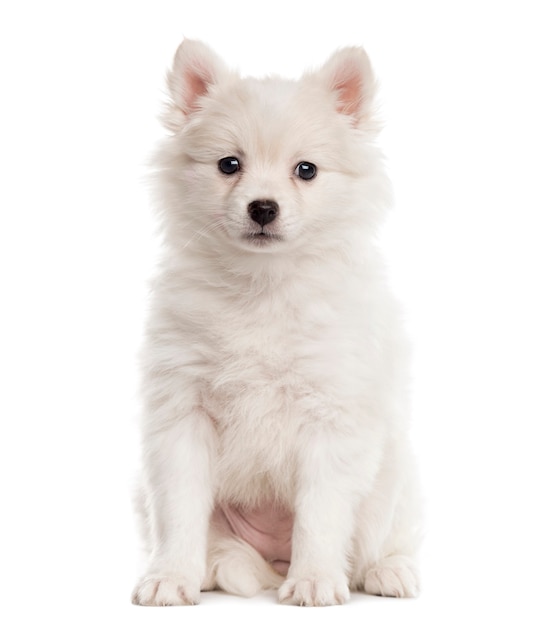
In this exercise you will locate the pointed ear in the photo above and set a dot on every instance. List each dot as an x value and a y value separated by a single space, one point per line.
196 68
348 74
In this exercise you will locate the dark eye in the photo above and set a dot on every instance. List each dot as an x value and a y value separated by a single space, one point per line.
229 165
306 170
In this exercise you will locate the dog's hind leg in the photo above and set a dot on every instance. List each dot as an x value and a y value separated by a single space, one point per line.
388 535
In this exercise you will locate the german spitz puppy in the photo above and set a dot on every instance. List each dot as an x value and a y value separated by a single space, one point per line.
275 418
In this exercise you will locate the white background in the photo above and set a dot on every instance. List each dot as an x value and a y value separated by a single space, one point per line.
464 105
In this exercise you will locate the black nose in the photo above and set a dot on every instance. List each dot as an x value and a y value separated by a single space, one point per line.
263 211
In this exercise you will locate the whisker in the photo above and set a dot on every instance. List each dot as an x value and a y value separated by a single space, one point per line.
206 230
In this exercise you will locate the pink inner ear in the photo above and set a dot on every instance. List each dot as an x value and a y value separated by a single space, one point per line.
349 89
196 84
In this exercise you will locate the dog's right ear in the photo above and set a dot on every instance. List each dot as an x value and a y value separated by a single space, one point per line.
196 68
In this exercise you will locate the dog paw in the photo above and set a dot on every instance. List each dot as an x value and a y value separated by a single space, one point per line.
394 576
314 591
165 591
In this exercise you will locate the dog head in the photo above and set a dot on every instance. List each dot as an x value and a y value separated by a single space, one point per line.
266 165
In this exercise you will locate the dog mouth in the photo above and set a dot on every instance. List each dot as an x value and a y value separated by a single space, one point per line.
262 237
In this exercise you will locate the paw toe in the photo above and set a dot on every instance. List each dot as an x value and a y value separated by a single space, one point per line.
155 591
314 592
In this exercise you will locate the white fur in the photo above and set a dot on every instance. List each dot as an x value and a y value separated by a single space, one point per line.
275 371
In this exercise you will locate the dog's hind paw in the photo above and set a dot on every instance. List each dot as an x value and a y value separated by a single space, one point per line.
395 576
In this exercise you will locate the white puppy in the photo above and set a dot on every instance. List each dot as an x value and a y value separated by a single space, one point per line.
275 425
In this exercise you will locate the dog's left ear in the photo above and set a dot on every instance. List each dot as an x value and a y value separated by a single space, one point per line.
348 74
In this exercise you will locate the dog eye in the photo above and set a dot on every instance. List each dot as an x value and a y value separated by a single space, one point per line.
229 165
306 170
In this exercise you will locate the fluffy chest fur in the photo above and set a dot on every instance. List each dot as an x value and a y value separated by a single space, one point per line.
270 359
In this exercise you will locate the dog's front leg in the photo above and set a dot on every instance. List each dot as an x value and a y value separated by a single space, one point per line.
179 476
324 522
